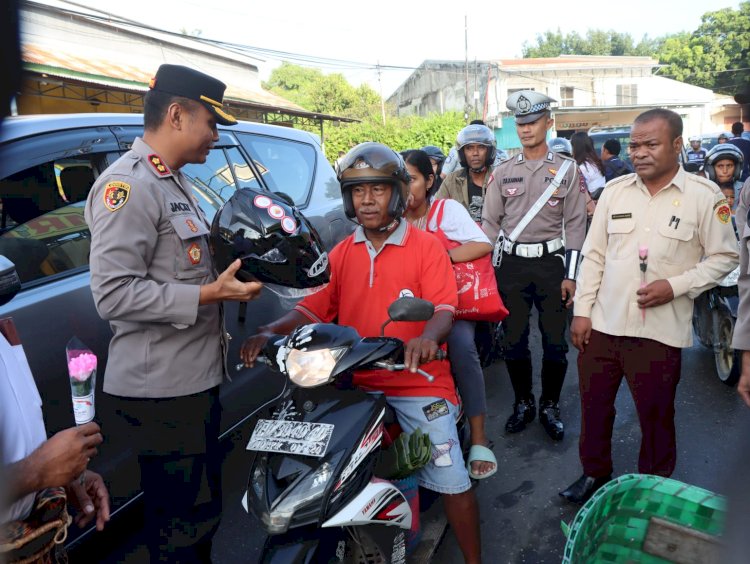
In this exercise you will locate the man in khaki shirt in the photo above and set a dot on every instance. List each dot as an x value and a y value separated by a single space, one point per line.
658 239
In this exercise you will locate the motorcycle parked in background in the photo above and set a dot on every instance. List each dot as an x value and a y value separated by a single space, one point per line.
714 316
311 482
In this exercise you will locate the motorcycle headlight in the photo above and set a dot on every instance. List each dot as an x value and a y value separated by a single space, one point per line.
308 369
306 490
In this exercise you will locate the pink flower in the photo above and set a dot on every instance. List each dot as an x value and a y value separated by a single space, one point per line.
643 252
81 367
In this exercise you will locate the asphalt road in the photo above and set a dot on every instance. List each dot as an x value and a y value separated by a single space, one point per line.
520 508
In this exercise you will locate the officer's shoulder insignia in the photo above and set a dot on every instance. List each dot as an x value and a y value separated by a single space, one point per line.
724 213
116 194
159 166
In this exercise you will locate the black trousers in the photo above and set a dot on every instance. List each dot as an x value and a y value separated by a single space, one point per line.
534 282
177 440
527 282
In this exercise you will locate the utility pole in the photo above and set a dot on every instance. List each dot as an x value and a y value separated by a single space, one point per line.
382 101
466 67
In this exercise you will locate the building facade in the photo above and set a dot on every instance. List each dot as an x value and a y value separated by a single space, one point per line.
591 92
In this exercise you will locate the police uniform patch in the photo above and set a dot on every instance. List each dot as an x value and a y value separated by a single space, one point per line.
116 195
723 202
552 203
552 171
191 225
194 253
158 165
512 191
724 214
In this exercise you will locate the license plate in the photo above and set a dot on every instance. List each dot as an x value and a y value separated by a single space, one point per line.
291 437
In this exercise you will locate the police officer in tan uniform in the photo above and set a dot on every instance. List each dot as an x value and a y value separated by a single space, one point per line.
537 269
152 277
658 238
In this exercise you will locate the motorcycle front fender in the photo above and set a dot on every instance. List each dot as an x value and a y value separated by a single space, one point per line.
304 545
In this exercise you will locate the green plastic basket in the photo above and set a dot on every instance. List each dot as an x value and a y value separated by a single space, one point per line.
612 525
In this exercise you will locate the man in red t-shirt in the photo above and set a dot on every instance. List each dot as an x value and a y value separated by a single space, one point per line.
384 259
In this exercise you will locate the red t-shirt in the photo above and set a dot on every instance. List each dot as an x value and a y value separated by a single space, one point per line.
412 263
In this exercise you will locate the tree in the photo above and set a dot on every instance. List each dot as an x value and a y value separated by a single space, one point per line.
596 42
324 93
716 55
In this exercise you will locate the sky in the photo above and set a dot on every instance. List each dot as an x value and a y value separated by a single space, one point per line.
404 33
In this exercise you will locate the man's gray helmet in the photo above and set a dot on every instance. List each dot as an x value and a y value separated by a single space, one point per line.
480 134
374 162
721 152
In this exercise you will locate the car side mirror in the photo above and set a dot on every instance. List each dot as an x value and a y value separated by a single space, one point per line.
10 283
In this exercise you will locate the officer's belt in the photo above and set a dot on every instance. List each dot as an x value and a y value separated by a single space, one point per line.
532 250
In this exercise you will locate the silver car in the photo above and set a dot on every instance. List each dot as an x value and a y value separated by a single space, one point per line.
47 167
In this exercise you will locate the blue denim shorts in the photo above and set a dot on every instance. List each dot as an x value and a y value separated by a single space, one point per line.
446 473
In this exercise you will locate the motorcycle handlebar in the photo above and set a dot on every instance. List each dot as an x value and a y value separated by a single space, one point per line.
260 358
441 355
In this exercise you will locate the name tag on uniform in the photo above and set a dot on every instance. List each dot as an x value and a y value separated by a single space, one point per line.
622 215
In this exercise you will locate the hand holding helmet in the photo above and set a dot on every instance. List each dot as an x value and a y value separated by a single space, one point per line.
226 287
274 242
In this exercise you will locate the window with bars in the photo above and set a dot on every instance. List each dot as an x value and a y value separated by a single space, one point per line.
627 94
566 96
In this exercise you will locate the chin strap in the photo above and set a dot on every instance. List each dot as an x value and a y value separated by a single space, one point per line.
392 225
572 262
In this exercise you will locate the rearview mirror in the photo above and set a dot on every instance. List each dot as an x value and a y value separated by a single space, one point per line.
411 309
10 284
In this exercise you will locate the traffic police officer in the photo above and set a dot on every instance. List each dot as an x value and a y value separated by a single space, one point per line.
152 277
537 268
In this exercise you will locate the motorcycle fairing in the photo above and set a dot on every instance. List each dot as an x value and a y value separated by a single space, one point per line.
354 415
379 502
370 441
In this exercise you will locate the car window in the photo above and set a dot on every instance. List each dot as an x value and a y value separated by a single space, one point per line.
213 182
600 138
286 166
243 172
42 225
50 244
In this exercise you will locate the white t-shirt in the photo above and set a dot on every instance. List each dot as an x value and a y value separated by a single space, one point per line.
593 176
457 224
21 422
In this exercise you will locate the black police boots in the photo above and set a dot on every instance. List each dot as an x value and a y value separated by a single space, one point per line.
524 412
549 417
583 488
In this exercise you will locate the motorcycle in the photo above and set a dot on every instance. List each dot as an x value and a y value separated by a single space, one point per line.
312 483
714 317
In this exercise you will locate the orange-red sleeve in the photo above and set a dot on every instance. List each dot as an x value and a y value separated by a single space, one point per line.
323 305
